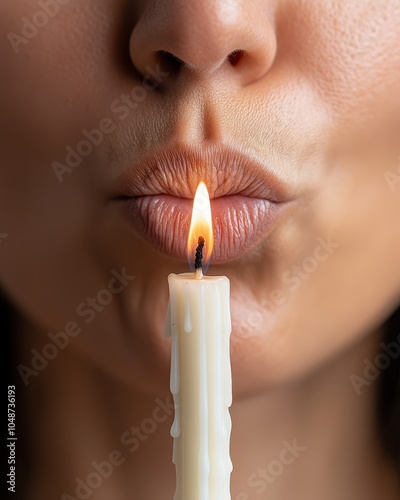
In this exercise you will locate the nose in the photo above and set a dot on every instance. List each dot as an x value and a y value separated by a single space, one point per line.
208 38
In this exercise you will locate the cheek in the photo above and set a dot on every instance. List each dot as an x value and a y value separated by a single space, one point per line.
339 281
46 90
58 82
348 49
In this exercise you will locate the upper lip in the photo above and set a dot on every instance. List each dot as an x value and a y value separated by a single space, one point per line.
225 171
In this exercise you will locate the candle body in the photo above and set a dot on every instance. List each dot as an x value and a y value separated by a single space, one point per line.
200 326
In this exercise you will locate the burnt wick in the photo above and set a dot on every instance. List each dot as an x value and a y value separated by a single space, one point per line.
198 261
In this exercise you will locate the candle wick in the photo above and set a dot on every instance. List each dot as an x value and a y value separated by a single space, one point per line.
198 261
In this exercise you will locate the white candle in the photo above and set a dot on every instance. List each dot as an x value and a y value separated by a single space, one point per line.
199 325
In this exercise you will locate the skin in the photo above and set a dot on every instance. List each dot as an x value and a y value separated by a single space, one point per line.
315 94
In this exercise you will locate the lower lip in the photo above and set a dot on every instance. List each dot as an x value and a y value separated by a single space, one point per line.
239 223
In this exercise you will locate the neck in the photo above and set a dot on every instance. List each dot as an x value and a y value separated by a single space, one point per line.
315 439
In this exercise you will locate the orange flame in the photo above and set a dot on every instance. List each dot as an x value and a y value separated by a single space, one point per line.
201 225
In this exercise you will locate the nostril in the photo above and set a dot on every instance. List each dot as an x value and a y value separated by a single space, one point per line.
174 63
235 56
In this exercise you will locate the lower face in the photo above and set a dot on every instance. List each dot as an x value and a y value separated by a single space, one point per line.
324 120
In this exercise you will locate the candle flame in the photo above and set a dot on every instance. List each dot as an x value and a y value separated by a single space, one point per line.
201 225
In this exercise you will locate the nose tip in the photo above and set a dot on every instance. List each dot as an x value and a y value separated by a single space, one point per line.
206 38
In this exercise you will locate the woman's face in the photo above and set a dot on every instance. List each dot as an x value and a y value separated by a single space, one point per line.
114 110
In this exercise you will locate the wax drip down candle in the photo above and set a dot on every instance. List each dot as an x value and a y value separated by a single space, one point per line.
199 324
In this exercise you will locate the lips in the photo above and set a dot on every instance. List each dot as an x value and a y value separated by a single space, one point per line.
247 199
